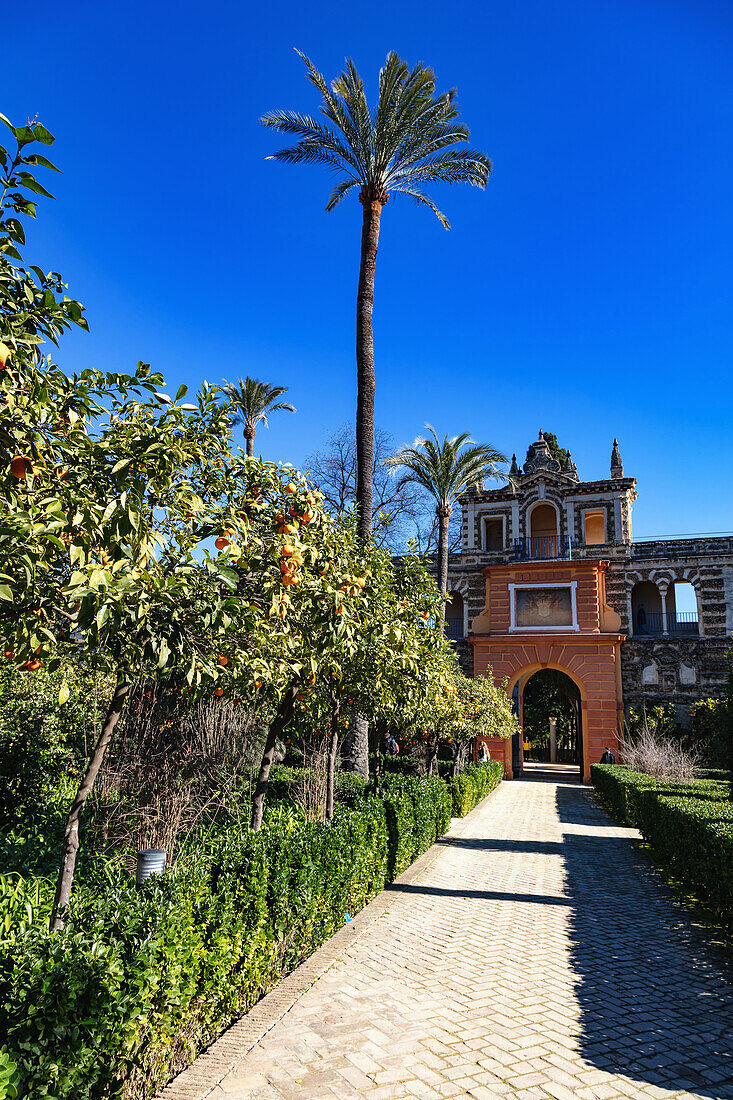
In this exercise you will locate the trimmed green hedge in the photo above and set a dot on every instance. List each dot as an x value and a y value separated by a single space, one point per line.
141 980
473 784
689 825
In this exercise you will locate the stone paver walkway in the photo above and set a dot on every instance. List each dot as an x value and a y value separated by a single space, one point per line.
536 956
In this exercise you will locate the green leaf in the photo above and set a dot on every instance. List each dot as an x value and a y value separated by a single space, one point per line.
182 391
6 592
63 693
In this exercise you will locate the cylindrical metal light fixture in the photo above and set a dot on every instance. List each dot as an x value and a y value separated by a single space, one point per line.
151 861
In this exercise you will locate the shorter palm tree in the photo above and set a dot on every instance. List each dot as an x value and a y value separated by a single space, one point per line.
254 401
445 470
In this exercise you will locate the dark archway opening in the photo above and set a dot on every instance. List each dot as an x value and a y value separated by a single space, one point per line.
551 694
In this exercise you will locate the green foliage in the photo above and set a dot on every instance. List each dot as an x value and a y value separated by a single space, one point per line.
404 143
142 979
42 741
9 1076
473 784
712 731
560 454
689 826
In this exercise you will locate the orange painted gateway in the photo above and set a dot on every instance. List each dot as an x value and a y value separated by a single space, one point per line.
553 614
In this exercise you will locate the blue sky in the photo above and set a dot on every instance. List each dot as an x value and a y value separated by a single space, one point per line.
587 291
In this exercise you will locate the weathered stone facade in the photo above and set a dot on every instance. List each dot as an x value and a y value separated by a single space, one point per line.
548 514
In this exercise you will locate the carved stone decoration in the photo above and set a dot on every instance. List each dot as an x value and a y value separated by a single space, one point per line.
650 674
540 458
570 469
617 466
687 674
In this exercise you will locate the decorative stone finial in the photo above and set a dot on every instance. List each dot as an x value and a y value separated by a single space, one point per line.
569 468
514 469
617 466
539 458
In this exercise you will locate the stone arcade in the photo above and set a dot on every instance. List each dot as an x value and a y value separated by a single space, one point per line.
549 577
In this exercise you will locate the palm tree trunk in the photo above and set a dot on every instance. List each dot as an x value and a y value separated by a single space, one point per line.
372 213
249 437
443 542
282 717
70 846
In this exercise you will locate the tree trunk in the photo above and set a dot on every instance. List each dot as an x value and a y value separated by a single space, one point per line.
249 438
372 213
356 747
282 717
332 750
70 846
443 543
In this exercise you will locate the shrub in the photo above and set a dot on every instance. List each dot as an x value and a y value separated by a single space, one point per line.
140 980
651 752
689 825
473 784
712 731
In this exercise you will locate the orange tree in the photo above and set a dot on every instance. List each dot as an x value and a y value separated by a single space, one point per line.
479 709
388 662
110 494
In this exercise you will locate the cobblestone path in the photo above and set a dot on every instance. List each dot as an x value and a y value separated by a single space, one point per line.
536 956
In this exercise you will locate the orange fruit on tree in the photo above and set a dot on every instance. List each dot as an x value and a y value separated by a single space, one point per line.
223 660
20 466
290 488
221 543
218 691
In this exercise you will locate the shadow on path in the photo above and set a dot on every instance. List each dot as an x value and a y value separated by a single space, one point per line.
656 997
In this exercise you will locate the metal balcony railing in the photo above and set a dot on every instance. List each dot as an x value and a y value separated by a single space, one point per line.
677 623
540 548
454 629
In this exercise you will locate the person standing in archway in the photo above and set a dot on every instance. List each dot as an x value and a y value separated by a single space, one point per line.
608 756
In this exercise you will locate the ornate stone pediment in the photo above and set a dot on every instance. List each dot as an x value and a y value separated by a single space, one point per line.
540 460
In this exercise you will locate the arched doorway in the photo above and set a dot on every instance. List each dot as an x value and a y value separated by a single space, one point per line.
551 716
544 531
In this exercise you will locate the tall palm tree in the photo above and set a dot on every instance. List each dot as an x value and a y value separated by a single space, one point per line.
254 401
445 470
404 143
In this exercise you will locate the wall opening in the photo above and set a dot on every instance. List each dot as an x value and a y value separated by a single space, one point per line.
493 534
682 609
551 694
595 528
544 534
646 608
454 616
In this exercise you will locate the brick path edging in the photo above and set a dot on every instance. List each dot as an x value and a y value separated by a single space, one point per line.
232 1047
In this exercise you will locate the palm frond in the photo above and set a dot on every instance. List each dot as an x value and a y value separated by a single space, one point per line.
342 188
252 400
424 200
406 142
446 469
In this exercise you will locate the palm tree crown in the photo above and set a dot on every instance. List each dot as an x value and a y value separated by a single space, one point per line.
445 470
253 401
401 146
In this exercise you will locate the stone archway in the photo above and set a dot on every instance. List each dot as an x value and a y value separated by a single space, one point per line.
591 662
543 693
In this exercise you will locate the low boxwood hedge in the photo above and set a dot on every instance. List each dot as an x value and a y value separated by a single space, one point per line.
689 825
473 784
140 980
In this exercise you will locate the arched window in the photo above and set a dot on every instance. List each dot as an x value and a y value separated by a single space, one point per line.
454 616
646 608
682 609
544 532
